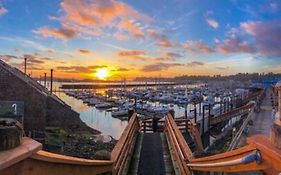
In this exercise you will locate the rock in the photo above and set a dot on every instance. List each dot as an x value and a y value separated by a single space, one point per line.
102 139
102 155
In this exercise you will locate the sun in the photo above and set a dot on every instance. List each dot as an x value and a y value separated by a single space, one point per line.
102 73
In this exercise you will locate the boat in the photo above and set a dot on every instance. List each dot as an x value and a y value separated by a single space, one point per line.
121 112
103 105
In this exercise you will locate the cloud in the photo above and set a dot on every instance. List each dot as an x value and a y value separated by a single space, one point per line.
161 39
50 51
134 54
222 68
213 23
78 69
8 58
267 36
122 69
26 43
173 55
120 36
271 6
3 11
132 28
32 59
62 33
233 43
91 18
195 63
197 46
159 66
169 56
84 52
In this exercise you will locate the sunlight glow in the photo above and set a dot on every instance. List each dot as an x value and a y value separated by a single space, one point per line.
102 73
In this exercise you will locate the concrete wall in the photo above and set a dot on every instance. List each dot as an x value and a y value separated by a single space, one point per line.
12 89
40 108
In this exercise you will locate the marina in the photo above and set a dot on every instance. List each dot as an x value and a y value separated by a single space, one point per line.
124 87
107 110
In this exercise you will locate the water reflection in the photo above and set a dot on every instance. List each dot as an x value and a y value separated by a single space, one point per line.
97 119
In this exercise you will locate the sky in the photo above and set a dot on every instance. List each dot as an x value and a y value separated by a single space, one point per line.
133 38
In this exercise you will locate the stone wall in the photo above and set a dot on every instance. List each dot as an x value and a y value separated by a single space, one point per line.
40 107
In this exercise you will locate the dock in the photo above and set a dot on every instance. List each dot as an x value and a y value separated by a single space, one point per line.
105 86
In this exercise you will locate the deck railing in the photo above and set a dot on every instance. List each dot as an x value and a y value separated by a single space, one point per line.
120 153
258 155
146 125
180 150
235 112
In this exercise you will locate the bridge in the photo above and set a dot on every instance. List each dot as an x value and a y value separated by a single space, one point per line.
176 148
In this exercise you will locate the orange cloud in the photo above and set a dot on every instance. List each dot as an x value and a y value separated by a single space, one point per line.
235 45
132 28
120 36
197 46
134 54
84 52
195 63
90 18
159 66
170 56
62 33
161 39
78 69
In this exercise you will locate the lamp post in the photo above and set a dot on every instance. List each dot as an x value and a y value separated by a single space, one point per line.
25 60
51 87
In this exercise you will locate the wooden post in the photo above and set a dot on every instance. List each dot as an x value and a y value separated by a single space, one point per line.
10 134
275 134
185 111
195 113
203 120
209 118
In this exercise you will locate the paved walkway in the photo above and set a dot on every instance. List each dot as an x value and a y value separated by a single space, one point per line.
262 121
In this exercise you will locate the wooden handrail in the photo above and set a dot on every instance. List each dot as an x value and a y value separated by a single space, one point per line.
228 115
182 152
177 152
270 155
193 130
119 154
62 159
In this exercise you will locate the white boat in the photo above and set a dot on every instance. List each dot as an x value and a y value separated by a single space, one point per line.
103 105
121 112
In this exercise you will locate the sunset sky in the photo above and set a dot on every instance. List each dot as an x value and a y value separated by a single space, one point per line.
134 38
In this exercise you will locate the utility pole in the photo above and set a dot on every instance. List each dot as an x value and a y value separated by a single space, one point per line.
51 88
